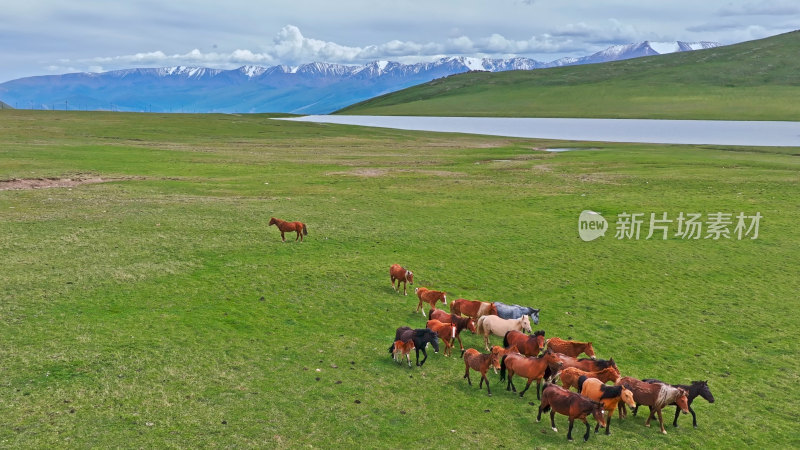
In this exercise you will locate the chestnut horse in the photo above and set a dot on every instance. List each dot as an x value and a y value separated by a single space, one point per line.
446 332
421 337
429 296
458 321
569 376
286 227
609 396
575 406
527 345
473 308
481 362
694 390
570 348
403 349
498 326
654 395
530 367
587 364
399 273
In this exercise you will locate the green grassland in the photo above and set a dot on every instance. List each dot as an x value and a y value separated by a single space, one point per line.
159 310
756 80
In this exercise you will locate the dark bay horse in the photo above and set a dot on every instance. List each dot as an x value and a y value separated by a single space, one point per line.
429 296
654 395
575 406
570 348
458 321
570 376
609 396
530 367
528 345
481 362
694 390
472 308
587 364
287 227
421 338
399 273
516 311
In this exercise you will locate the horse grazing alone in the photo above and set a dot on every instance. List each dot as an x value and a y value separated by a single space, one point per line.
570 348
694 390
458 321
532 368
399 273
609 396
570 376
481 362
286 227
446 332
473 308
492 324
575 406
528 345
421 338
429 296
654 395
403 349
516 311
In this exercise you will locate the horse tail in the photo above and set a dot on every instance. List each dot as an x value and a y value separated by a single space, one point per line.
305 231
391 348
581 379
505 339
503 367
479 325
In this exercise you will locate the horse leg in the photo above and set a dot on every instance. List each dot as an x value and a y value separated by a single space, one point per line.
424 354
283 238
408 357
635 410
623 411
404 287
608 425
661 421
553 420
526 388
486 341
694 417
538 384
487 383
510 376
569 432
650 416
586 435
298 236
466 375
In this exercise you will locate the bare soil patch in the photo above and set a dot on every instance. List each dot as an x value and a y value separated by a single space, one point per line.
44 183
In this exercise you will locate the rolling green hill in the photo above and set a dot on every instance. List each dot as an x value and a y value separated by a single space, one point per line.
755 80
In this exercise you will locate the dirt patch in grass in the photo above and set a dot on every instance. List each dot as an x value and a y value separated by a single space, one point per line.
18 184
379 172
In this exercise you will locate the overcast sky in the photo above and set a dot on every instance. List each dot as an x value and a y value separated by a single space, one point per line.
42 37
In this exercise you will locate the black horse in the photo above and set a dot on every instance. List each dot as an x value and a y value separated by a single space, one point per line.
421 338
696 389
516 311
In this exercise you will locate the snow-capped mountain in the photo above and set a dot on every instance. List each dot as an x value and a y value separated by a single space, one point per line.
314 88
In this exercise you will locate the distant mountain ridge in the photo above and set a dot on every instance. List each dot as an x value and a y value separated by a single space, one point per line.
314 88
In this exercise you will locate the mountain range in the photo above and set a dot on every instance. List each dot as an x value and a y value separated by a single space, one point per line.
315 88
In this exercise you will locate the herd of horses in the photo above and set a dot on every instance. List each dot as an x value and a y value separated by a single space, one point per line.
528 355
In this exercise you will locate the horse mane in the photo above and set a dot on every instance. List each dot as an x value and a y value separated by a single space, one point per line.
538 333
601 363
581 380
610 391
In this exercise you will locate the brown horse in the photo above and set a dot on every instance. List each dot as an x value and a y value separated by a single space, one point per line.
656 396
446 332
403 349
429 296
472 308
531 367
481 362
609 396
569 376
498 326
399 273
570 348
287 227
458 321
587 364
527 345
575 406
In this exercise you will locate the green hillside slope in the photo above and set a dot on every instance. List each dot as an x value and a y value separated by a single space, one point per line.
755 80
5 106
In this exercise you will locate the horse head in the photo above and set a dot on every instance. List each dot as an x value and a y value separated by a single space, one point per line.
539 336
492 309
589 350
526 324
535 316
272 221
409 277
433 338
704 391
494 360
599 413
627 397
471 325
683 400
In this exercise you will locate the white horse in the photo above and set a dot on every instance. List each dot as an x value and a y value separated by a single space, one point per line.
498 326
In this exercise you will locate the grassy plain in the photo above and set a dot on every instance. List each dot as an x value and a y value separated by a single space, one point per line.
756 80
159 310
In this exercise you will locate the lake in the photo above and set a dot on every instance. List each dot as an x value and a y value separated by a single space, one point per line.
711 132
